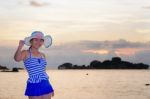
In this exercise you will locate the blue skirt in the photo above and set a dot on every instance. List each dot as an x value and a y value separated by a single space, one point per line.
37 89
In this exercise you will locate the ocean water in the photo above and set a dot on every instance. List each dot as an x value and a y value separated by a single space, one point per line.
83 84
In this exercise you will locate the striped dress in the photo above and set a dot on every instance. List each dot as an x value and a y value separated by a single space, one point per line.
38 81
36 68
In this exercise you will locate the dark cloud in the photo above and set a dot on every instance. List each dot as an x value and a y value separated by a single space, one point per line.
115 44
38 4
86 44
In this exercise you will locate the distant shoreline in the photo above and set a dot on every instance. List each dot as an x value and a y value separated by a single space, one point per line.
115 63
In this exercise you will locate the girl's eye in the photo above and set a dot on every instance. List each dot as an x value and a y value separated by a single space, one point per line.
39 40
42 40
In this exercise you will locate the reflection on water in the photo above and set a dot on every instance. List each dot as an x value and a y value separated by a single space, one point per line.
83 84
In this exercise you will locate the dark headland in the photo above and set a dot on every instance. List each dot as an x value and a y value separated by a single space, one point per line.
6 69
115 63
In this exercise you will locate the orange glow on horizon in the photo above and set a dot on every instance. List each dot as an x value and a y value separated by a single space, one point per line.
102 51
118 52
128 51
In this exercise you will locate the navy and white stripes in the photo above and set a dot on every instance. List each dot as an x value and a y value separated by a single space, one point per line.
36 68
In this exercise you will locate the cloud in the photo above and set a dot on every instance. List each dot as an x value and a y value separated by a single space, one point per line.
38 4
146 7
83 52
114 44
119 47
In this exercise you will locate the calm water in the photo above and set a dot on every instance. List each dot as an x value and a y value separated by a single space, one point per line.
83 84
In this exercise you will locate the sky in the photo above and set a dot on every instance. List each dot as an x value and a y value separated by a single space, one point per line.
82 30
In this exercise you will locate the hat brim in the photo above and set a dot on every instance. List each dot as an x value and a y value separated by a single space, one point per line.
47 41
27 41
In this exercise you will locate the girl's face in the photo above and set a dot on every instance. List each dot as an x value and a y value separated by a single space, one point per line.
37 42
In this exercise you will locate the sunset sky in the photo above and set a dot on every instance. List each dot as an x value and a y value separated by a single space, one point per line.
82 30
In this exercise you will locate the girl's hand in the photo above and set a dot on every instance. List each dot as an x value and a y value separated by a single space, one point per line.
20 55
21 43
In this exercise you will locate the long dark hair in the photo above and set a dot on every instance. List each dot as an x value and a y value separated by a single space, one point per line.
30 45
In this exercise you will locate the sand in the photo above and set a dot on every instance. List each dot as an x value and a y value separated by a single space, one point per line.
83 84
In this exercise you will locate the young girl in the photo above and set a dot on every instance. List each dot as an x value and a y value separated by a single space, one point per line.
38 85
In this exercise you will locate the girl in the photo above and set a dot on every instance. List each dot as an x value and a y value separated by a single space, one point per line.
37 85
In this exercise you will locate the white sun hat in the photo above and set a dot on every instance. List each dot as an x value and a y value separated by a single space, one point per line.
38 34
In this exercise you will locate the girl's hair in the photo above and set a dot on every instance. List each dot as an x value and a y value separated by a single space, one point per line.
31 45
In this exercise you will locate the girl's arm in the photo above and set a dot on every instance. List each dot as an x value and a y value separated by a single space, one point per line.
19 55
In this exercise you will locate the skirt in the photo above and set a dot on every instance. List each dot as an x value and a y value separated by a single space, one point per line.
37 89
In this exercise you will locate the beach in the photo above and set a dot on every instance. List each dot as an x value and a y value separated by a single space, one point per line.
82 84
